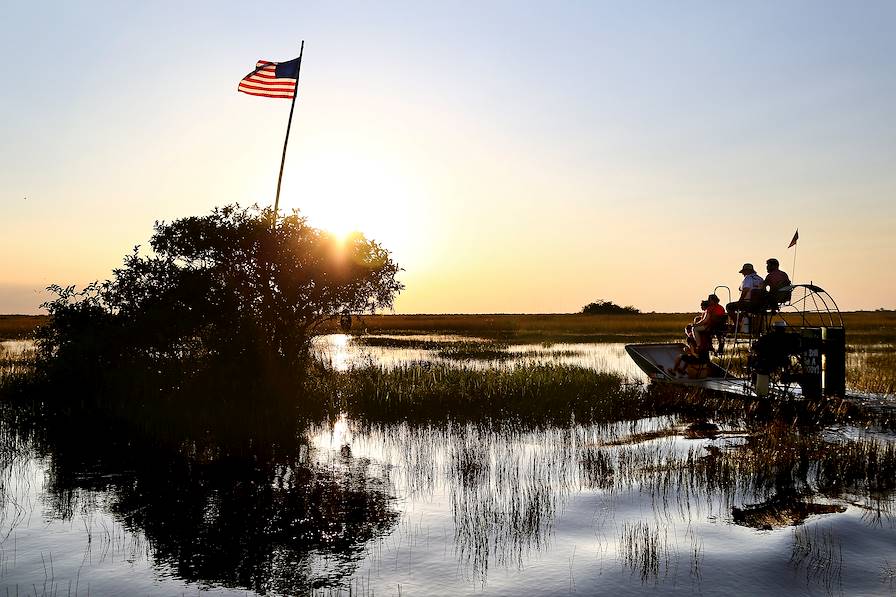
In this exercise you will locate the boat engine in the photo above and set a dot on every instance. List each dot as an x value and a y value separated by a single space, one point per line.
813 357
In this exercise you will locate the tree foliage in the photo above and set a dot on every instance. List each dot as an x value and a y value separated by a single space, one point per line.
229 285
602 307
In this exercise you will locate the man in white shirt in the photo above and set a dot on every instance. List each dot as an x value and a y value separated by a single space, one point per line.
751 291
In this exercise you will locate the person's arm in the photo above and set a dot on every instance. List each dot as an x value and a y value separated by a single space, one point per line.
704 318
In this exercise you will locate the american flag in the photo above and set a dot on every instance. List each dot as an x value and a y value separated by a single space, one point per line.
272 79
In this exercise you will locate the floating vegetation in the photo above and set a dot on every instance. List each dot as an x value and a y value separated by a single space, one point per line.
459 349
781 511
407 343
499 352
484 351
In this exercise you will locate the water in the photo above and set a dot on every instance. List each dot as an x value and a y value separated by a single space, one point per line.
436 509
343 353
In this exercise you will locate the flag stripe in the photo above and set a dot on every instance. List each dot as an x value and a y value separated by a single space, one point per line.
269 80
260 94
272 85
244 87
265 89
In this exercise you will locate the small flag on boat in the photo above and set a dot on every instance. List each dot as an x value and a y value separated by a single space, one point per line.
272 79
796 237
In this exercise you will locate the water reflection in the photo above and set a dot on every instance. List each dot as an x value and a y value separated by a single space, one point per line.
273 519
443 506
507 490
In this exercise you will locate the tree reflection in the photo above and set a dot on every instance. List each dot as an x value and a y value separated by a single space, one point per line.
259 515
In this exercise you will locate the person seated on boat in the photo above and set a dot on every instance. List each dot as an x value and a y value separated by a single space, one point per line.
713 316
689 328
692 358
774 282
696 349
752 293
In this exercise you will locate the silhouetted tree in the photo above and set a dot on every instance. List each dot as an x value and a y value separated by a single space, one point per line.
602 307
229 285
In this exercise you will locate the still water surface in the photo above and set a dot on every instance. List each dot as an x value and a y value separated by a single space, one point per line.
410 509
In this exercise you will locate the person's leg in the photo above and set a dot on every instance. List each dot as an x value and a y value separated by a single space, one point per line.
676 367
731 309
699 331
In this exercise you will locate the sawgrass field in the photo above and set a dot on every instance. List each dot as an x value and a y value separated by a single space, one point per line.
862 327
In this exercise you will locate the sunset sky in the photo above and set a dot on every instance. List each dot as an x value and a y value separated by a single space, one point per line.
514 157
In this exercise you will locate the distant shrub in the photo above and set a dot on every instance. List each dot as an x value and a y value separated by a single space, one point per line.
602 307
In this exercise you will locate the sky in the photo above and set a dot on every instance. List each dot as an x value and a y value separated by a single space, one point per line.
514 157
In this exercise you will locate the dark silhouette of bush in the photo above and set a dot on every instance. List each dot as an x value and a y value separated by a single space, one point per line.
602 307
229 287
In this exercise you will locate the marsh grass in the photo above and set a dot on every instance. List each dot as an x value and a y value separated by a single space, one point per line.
468 351
863 327
540 393
16 368
872 370
497 352
465 350
406 343
17 327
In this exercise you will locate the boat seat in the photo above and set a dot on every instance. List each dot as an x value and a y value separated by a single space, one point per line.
718 331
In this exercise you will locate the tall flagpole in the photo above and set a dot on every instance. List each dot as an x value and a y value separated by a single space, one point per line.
292 107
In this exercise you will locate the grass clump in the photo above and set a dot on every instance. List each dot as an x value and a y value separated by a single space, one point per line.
432 392
483 351
16 368
406 343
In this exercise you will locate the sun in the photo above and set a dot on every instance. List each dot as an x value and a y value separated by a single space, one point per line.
344 192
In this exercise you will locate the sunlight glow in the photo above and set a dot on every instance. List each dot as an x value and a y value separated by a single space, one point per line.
344 191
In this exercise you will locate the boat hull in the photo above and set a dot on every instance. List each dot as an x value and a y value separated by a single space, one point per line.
655 359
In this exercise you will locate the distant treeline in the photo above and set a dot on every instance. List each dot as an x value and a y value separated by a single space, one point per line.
602 307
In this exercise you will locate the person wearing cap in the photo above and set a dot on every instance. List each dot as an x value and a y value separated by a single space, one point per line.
752 290
775 281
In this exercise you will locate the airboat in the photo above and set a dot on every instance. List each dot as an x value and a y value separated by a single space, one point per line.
793 347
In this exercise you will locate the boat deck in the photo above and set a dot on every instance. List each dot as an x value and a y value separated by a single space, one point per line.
655 359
